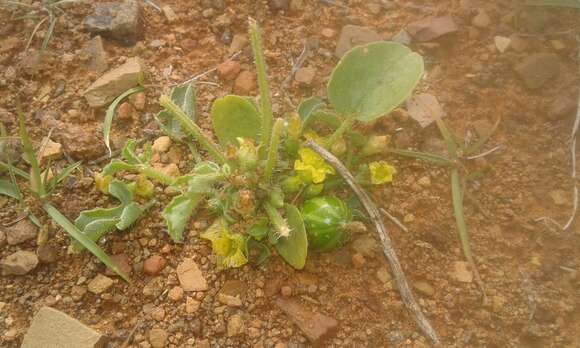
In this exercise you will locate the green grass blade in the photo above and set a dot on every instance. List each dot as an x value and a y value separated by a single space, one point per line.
477 145
438 160
265 104
7 188
67 171
35 179
449 138
111 113
49 31
9 167
77 235
273 150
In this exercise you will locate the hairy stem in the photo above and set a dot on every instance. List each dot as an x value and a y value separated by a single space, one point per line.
156 175
211 147
265 104
345 125
273 150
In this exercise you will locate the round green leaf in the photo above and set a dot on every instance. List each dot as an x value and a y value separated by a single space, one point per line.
235 117
371 80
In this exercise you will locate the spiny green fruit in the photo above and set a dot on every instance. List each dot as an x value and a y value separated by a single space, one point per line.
325 219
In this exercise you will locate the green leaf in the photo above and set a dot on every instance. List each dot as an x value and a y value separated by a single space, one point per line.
131 213
129 152
116 166
308 108
88 216
294 248
9 189
36 183
457 197
184 97
107 124
120 190
71 229
263 252
450 138
371 80
259 230
235 117
178 212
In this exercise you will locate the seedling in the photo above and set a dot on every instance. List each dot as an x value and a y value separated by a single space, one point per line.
457 152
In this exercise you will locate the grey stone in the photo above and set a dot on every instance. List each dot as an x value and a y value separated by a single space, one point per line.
354 35
21 232
117 20
47 253
315 326
54 329
97 57
538 68
19 263
431 28
113 83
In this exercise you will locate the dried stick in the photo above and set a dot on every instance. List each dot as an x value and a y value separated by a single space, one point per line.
375 216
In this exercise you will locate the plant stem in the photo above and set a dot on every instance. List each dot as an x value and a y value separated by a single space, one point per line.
265 104
273 150
211 147
346 125
156 175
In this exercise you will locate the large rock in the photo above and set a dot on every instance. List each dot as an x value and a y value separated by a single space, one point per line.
117 20
431 28
315 326
51 329
354 35
537 69
190 276
21 232
113 83
19 263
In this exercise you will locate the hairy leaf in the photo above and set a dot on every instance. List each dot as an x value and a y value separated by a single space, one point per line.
294 249
371 80
235 117
178 213
184 97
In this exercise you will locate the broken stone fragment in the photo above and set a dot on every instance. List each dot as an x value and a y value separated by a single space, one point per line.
19 263
113 83
354 35
431 28
96 55
117 20
190 276
52 328
21 232
315 326
49 150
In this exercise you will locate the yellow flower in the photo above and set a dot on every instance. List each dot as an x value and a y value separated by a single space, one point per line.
102 182
311 166
228 247
381 172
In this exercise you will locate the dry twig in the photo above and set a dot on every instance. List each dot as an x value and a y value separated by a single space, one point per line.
375 216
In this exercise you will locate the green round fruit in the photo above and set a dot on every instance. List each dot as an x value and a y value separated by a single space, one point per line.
325 219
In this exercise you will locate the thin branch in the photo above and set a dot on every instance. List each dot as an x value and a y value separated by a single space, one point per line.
375 216
396 221
483 154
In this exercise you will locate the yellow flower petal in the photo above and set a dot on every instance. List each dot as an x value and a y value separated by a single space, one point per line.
312 166
228 247
381 172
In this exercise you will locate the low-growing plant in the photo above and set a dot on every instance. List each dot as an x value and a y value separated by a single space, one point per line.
457 151
259 172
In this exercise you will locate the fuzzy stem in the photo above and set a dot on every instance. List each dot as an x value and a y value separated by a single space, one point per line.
265 104
193 129
345 125
273 150
156 175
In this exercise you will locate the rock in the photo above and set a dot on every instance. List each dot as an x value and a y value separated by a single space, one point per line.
559 197
424 108
125 112
123 263
154 265
175 294
191 305
139 100
502 43
47 253
117 20
383 275
353 35
327 33
366 246
22 231
228 70
52 328
231 301
19 263
157 337
305 76
78 292
190 276
158 313
100 284
113 83
235 325
49 150
96 55
279 5
239 42
562 107
161 144
153 288
169 14
432 28
481 19
315 326
245 83
358 260
424 288
537 69
402 37
461 272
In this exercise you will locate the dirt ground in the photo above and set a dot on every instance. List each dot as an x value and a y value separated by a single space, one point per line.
530 269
